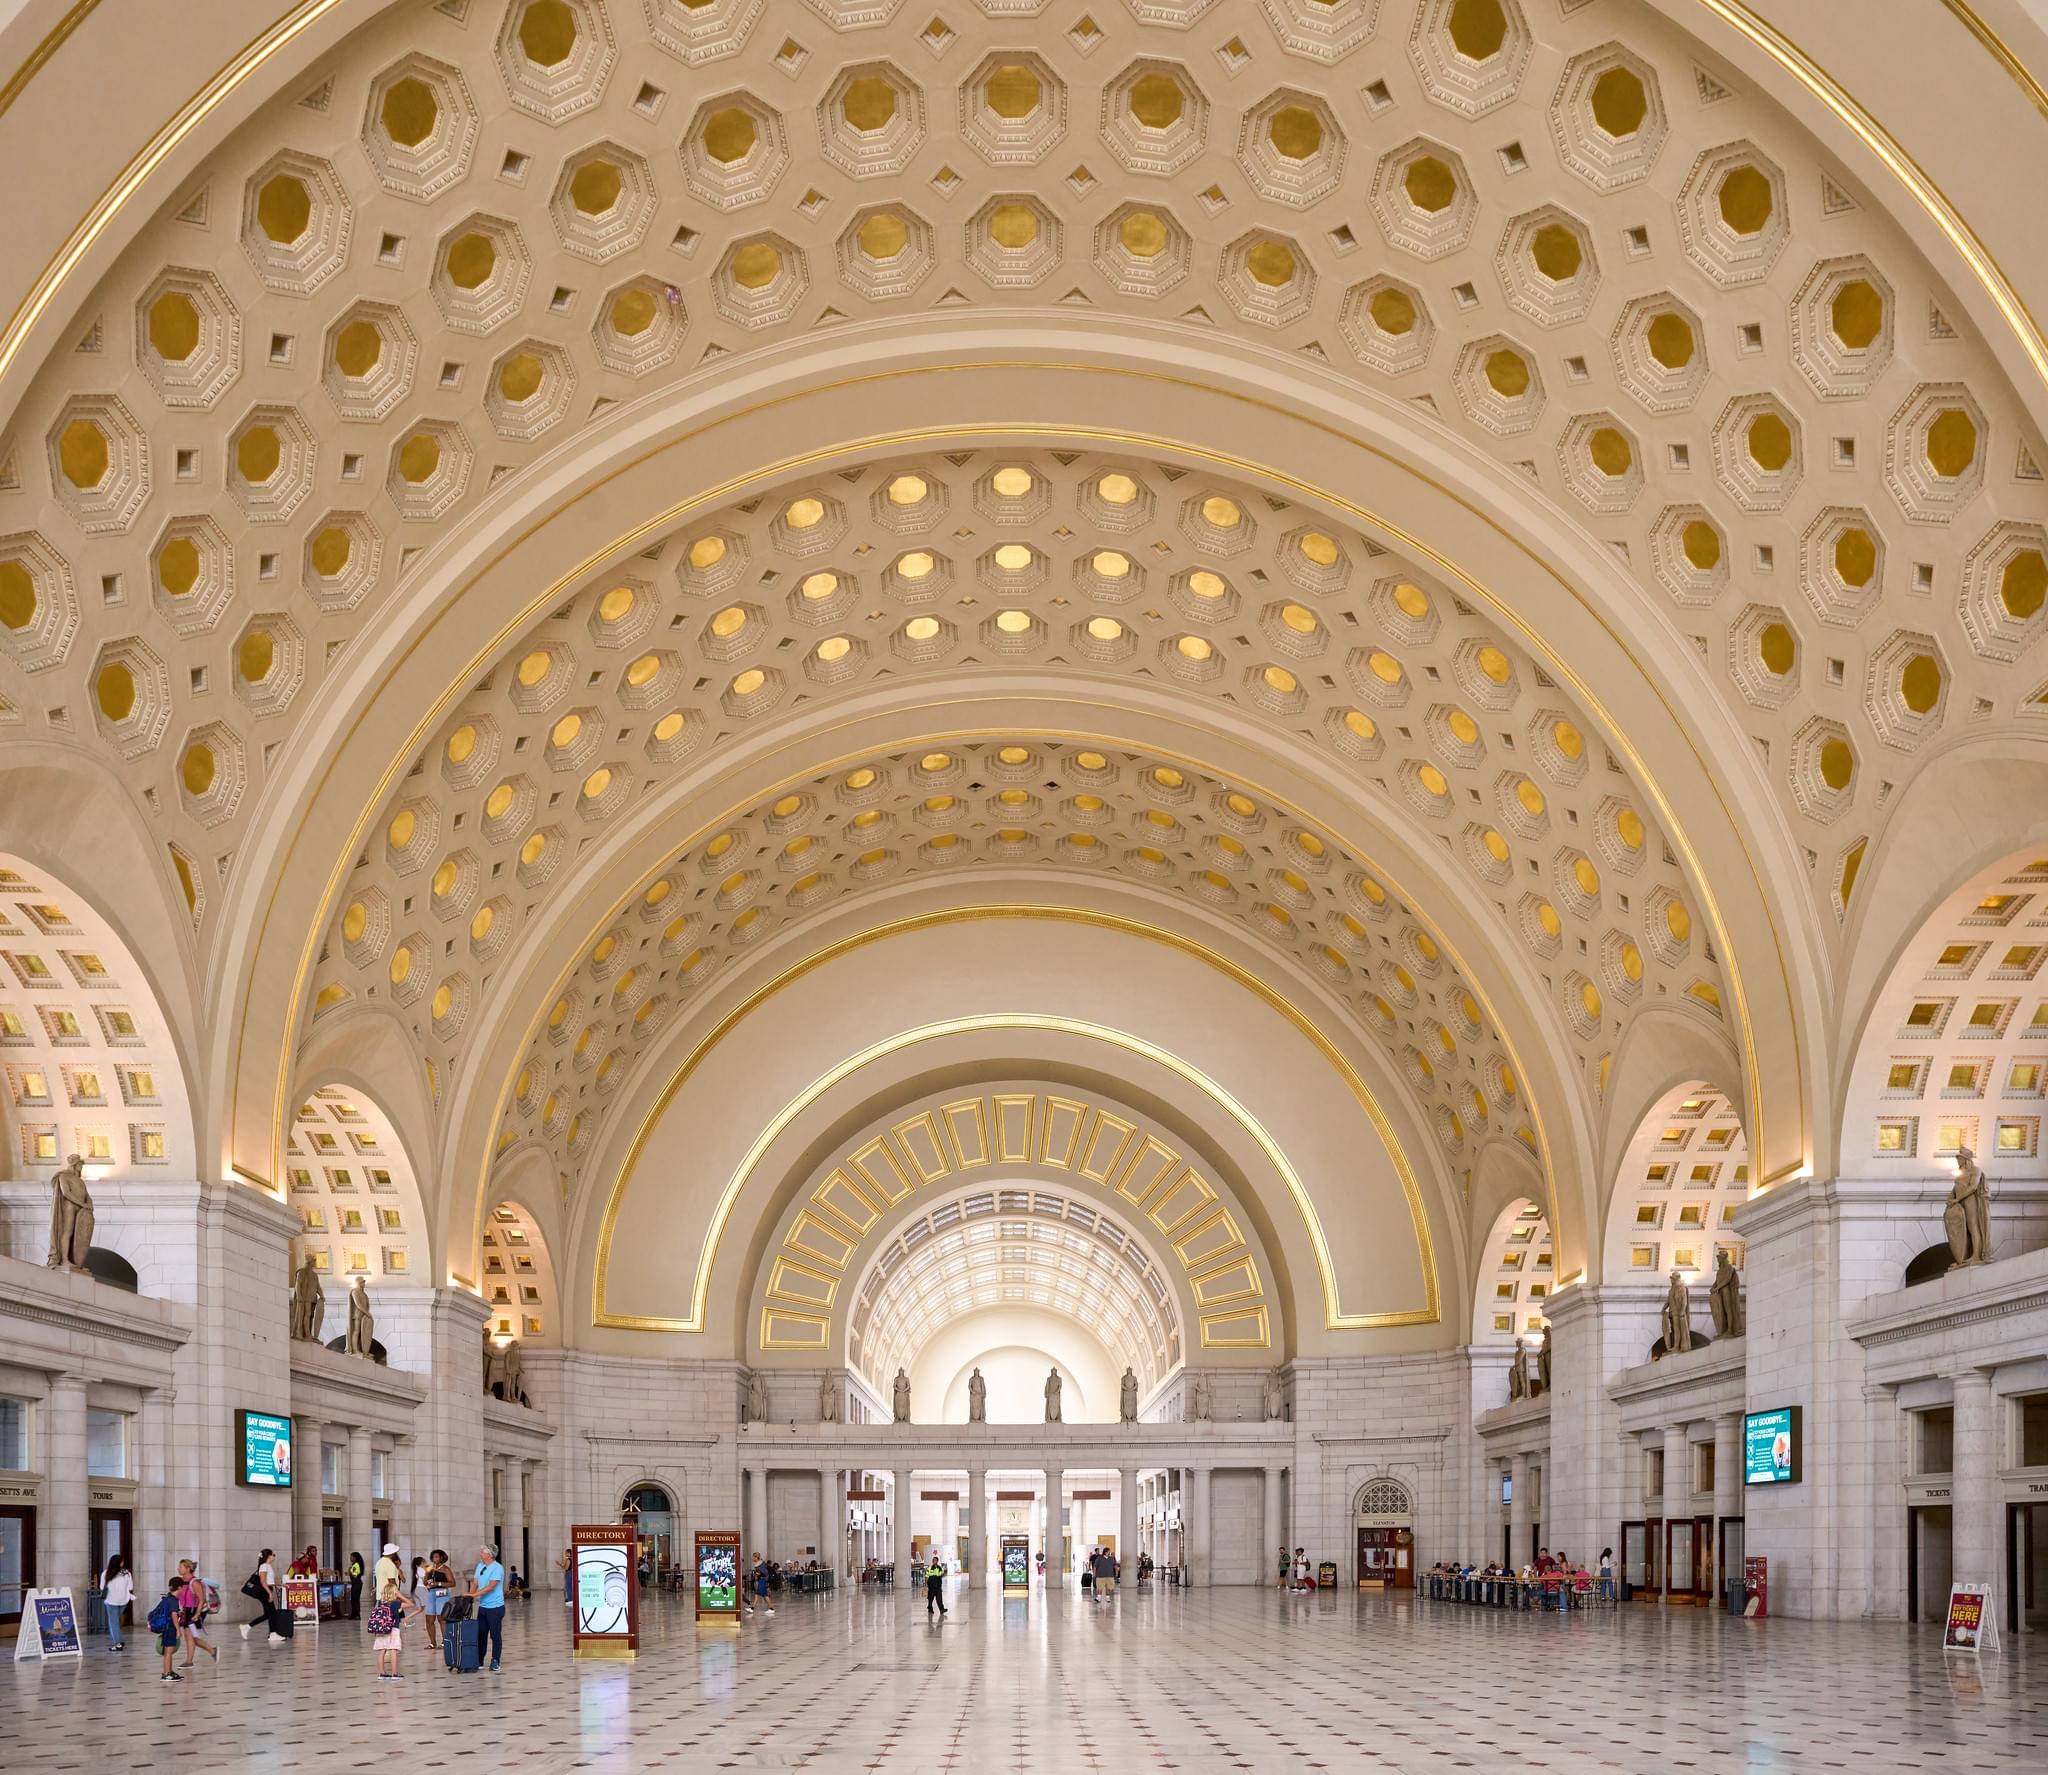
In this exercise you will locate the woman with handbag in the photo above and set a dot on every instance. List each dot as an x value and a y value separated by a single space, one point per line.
387 1619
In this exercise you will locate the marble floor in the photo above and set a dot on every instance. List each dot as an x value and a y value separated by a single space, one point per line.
1207 1679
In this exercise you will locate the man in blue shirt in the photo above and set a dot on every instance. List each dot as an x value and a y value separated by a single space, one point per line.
487 1585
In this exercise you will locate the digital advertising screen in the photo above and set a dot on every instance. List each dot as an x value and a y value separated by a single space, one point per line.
718 1574
265 1440
1770 1446
1016 1564
603 1585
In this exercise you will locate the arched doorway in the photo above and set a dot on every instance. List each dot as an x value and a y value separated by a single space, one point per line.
1383 1533
653 1512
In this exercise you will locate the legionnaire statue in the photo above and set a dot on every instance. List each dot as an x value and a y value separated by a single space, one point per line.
828 1400
1518 1375
493 1368
1543 1360
1966 1219
1127 1398
512 1374
757 1398
1726 1298
1198 1400
1677 1317
1052 1396
362 1329
70 1216
1274 1398
309 1303
902 1397
977 1398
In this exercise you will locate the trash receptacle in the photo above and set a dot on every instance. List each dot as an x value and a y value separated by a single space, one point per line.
1628 1591
1736 1596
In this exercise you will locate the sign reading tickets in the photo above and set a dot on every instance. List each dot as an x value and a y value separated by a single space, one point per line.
1770 1446
49 1626
1972 1619
266 1448
607 1623
718 1574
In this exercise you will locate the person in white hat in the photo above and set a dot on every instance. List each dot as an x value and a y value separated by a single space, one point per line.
390 1575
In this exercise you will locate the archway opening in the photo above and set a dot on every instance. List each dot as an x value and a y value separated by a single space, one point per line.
653 1512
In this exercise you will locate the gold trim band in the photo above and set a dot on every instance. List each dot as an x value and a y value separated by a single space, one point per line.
1334 1317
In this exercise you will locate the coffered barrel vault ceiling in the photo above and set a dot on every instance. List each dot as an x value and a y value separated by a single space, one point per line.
479 233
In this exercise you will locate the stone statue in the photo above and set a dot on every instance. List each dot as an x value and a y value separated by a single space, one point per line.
1518 1375
1127 1398
756 1411
362 1329
512 1374
70 1216
902 1401
828 1400
1966 1219
1198 1400
977 1398
309 1303
1052 1396
1543 1360
1677 1317
1274 1398
1726 1298
493 1369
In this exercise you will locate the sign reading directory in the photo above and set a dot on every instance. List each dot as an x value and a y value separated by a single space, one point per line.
266 1444
607 1623
1770 1446
718 1574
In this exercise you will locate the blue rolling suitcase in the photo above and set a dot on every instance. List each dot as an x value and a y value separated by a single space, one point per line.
462 1644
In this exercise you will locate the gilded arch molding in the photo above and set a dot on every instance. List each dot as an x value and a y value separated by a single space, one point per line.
553 555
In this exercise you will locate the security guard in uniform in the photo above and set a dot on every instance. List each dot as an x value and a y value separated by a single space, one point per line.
934 1587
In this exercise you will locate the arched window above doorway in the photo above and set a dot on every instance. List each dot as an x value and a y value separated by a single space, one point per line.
1384 1498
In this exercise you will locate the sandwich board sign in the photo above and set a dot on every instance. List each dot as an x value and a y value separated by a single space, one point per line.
1972 1619
49 1626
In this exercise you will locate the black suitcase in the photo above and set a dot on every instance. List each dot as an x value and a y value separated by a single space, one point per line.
462 1644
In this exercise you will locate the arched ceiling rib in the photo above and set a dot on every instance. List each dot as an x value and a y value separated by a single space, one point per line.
1583 255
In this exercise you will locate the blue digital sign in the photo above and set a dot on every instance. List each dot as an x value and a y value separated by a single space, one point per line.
266 1448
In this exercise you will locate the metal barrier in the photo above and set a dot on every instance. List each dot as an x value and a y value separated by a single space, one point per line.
1557 1592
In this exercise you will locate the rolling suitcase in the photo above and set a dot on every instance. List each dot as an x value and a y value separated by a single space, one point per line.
462 1644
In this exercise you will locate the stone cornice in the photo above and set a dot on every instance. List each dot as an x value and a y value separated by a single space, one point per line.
355 1377
83 1306
1960 1298
1723 1360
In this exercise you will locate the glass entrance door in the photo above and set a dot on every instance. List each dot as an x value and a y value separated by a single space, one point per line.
17 1560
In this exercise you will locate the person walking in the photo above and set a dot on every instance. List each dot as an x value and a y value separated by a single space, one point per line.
261 1589
935 1588
387 1618
118 1584
761 1586
163 1622
354 1573
192 1613
487 1585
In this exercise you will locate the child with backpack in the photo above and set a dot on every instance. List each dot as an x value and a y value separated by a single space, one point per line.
163 1622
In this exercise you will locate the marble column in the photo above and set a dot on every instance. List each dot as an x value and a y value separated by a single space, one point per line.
1727 1489
1202 1530
1127 1523
1977 1540
1677 1496
1520 1553
830 1536
307 1436
977 1521
65 1556
899 1501
155 1533
1055 1527
514 1551
1276 1524
757 1513
355 1526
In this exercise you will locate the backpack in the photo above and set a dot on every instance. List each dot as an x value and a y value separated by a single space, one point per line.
163 1615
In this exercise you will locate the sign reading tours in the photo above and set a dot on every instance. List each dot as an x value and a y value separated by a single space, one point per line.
718 1574
1770 1446
265 1440
1971 1620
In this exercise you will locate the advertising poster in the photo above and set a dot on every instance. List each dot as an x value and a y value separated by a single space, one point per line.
607 1590
1770 1446
266 1448
1756 1584
718 1574
1016 1563
1970 1621
49 1626
302 1597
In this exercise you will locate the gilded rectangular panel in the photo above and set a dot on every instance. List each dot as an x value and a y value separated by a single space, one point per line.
783 1330
1062 1132
1149 1168
1016 1114
967 1128
1209 1242
924 1146
878 1167
1235 1281
1242 1330
1187 1196
1104 1145
817 1239
801 1285
838 1195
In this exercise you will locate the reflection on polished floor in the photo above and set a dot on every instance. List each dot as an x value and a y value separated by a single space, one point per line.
1155 1680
